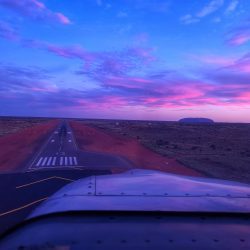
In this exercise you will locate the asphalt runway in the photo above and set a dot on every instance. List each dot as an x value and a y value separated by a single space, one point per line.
58 163
61 151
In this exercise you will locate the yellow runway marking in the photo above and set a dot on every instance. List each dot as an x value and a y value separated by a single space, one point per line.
46 179
25 206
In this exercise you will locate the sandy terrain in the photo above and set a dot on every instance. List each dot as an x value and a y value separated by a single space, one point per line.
17 147
93 139
218 150
9 125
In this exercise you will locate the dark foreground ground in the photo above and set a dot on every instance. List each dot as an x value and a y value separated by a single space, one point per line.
21 193
220 150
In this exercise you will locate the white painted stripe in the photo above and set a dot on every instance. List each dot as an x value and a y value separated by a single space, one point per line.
49 160
75 161
66 161
53 140
70 161
56 132
61 161
54 161
69 132
44 161
39 162
70 140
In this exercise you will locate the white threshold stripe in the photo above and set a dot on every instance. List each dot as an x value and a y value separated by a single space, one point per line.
75 161
61 161
49 160
44 161
39 162
54 161
70 161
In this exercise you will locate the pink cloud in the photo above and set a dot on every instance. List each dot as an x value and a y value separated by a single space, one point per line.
35 9
124 92
239 38
239 35
215 60
70 52
174 92
243 67
244 97
62 19
118 87
140 52
230 68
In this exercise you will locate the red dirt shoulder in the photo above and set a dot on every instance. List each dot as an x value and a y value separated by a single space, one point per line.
93 139
16 148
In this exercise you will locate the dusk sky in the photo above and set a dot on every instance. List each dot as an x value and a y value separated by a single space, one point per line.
129 59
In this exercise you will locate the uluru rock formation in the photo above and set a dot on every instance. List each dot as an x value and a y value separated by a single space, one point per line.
196 120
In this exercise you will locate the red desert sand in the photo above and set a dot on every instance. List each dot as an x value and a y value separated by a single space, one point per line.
92 139
16 148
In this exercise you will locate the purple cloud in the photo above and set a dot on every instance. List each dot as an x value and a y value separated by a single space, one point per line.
240 34
109 62
32 87
239 38
8 32
18 79
211 7
121 82
96 63
36 10
232 6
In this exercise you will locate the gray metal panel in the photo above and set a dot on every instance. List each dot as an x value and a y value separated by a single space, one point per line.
142 190
85 186
147 182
